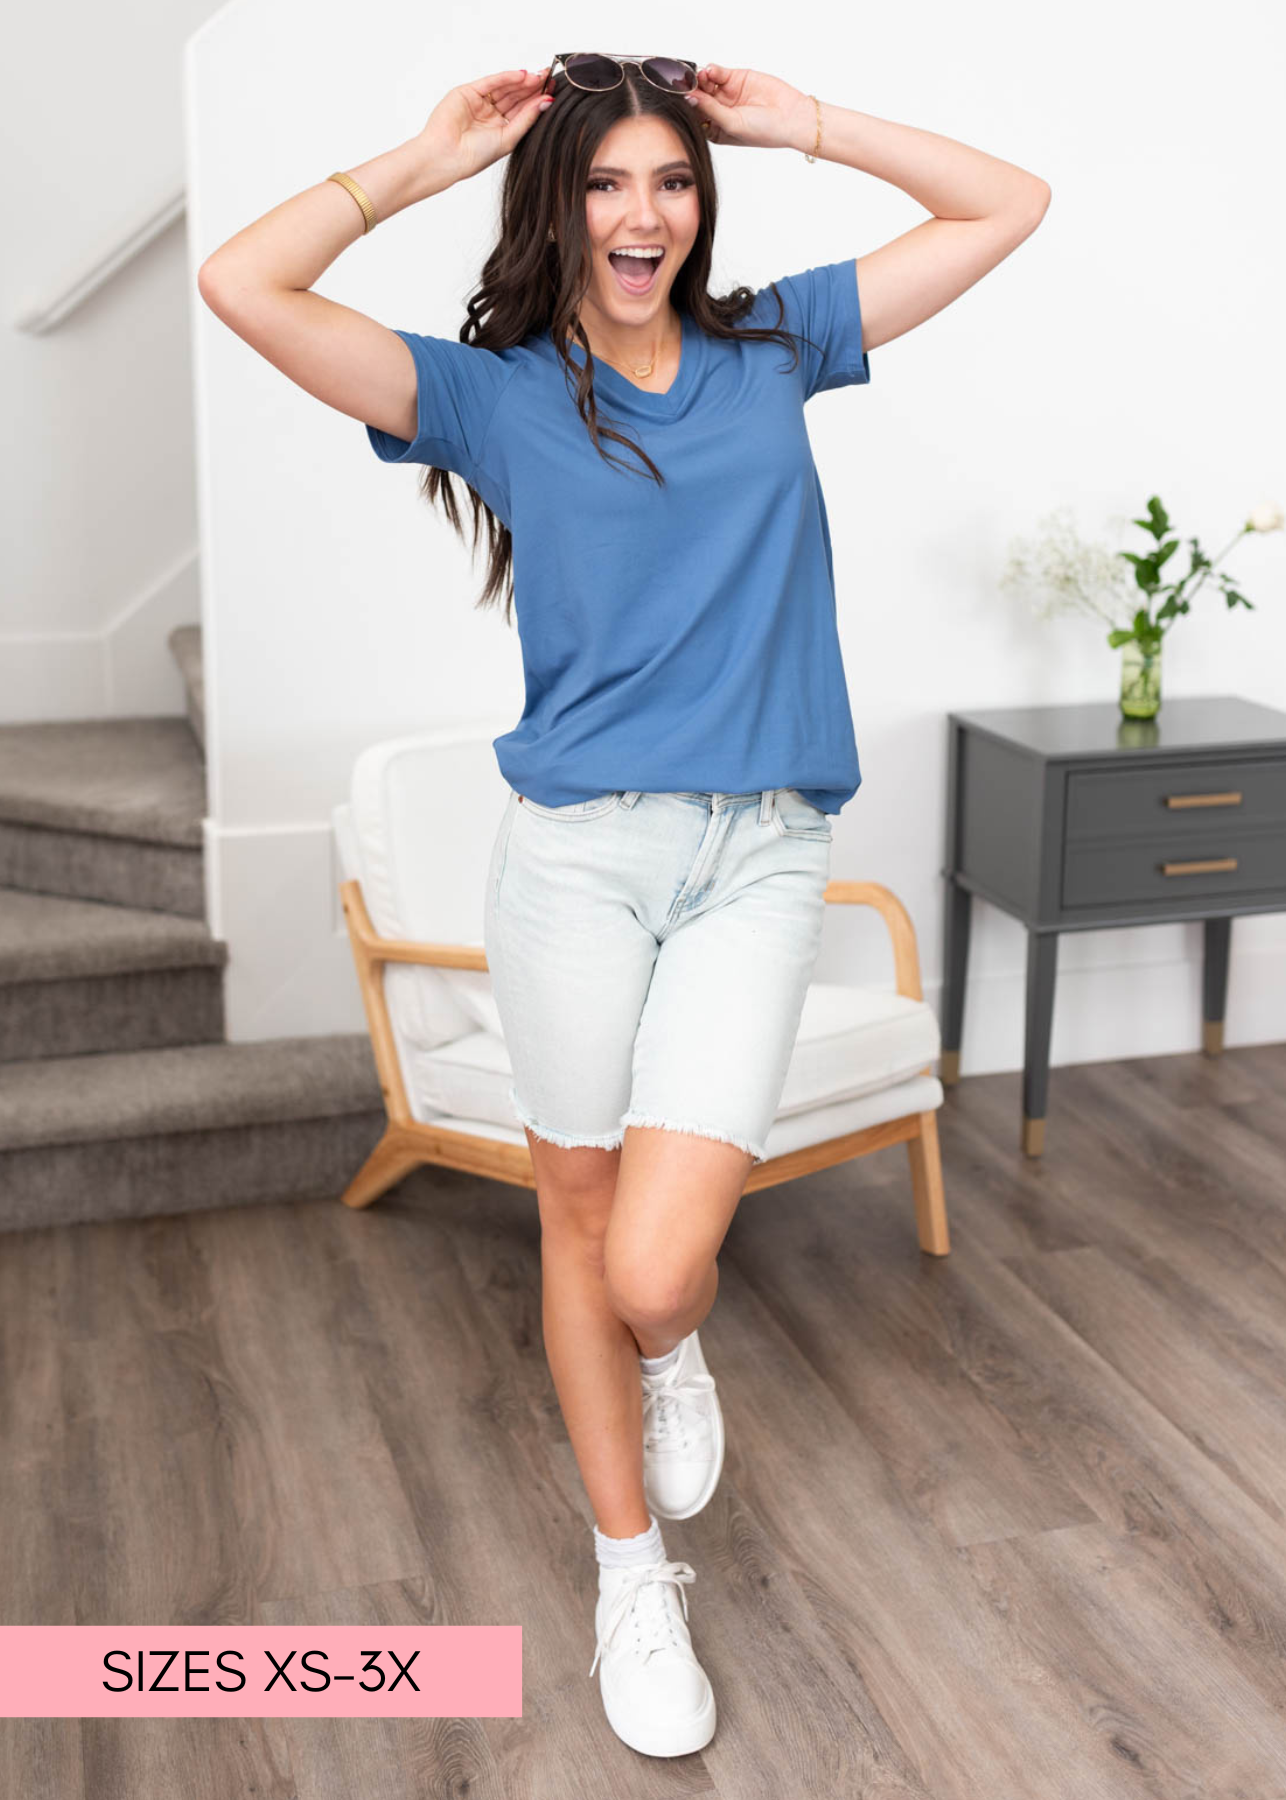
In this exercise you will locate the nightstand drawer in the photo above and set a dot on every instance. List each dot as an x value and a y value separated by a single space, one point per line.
1222 861
1179 800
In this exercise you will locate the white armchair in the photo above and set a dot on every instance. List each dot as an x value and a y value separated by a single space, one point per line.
414 841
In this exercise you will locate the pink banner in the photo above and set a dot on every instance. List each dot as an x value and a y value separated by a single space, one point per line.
261 1671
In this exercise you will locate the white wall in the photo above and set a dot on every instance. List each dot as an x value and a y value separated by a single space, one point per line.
1131 346
96 459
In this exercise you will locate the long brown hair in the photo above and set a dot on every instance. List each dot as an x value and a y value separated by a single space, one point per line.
530 284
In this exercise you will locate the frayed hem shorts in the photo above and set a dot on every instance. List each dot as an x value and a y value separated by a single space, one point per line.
649 956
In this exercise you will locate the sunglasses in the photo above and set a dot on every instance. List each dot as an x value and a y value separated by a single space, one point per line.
596 73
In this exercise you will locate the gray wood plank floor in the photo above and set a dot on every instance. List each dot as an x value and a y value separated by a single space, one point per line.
1011 1524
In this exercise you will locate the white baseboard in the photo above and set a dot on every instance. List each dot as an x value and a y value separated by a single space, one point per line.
123 669
272 896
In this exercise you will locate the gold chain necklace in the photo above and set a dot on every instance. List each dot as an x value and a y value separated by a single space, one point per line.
640 369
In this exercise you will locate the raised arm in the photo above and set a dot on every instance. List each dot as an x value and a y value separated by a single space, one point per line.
983 207
259 282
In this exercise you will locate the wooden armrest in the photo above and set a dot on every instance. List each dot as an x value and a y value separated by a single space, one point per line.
906 961
401 950
906 958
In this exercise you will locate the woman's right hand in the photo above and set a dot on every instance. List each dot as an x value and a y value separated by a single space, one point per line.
477 123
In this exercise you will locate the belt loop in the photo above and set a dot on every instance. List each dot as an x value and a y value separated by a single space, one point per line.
765 805
629 798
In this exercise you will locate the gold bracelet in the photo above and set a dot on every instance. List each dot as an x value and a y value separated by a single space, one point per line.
361 197
817 145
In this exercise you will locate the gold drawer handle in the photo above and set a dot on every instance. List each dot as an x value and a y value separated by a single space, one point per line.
1199 868
1203 799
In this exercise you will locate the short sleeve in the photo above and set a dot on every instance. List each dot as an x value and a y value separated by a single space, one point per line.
458 387
822 304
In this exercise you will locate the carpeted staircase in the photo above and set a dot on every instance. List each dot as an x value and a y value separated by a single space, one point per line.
118 1096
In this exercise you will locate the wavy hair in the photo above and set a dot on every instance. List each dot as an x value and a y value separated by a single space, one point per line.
530 284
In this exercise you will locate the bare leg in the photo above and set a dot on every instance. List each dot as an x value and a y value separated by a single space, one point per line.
676 1194
664 1189
593 1355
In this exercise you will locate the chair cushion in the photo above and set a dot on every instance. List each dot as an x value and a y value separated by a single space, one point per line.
818 1124
851 1041
855 1040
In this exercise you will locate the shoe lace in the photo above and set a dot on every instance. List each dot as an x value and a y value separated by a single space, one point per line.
642 1600
670 1402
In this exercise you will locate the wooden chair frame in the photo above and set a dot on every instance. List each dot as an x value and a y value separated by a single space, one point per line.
407 1142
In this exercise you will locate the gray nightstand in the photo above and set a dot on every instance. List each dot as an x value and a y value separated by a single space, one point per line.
1072 818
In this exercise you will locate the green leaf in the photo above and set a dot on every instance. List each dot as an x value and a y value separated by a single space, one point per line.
1157 521
1118 637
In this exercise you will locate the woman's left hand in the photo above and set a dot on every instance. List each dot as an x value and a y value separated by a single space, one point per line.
743 106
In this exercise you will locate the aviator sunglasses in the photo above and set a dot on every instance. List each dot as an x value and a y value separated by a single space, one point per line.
597 73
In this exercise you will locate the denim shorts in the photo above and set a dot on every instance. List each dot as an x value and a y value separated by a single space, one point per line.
650 954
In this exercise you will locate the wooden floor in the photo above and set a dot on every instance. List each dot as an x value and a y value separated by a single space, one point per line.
1007 1525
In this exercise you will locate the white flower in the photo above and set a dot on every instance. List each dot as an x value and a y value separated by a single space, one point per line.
1059 573
1267 517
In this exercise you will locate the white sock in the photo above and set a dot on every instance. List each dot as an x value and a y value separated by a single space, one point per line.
624 1553
654 1364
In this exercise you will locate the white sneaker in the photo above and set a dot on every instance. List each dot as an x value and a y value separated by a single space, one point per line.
682 1434
656 1695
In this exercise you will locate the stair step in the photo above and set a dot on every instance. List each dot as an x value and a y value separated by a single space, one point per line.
79 976
185 647
139 1132
130 778
46 937
106 960
104 809
188 1087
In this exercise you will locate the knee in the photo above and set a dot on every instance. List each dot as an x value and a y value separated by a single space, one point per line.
646 1293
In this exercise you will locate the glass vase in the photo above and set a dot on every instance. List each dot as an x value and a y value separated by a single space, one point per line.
1140 681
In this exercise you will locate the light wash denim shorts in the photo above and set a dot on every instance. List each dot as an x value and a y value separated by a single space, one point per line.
650 954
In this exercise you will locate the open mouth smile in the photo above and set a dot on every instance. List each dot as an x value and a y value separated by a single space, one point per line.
635 274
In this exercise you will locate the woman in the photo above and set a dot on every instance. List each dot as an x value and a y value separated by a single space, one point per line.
650 947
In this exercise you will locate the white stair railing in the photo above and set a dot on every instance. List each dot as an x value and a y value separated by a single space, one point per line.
43 315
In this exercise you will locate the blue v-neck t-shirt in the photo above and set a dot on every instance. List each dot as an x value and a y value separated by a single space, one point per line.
676 638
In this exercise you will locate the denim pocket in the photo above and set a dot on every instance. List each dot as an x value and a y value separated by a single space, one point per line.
500 850
793 816
576 810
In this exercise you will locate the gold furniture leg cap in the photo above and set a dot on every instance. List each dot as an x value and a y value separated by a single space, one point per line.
949 1068
1212 1036
1033 1136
